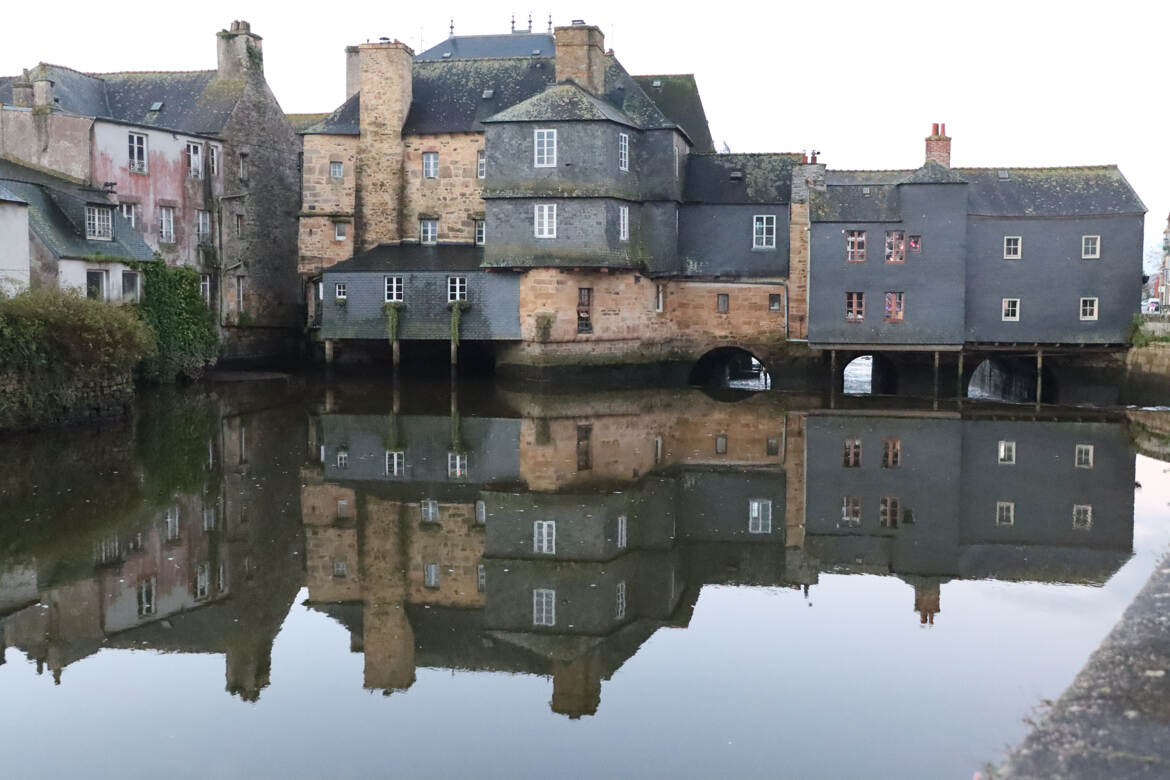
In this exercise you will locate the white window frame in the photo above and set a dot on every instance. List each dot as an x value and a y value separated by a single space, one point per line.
340 231
1093 308
239 225
202 581
481 512
456 288
342 459
129 213
202 226
136 294
1004 316
623 531
166 224
544 607
456 465
430 510
212 159
759 515
544 148
340 291
340 568
1007 452
544 537
480 232
544 220
481 578
1013 251
103 277
241 286
430 165
394 290
623 223
659 298
336 169
428 231
138 153
430 575
764 231
1082 517
619 612
395 465
623 151
481 164
1090 247
99 223
171 520
147 587
850 519
194 160
1005 512
1083 456
205 288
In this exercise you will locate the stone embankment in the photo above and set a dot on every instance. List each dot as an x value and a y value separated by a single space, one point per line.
28 402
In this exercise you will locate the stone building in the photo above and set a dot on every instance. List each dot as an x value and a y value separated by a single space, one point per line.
202 164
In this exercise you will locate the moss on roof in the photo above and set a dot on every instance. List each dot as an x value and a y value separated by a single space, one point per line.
740 178
565 102
301 122
677 97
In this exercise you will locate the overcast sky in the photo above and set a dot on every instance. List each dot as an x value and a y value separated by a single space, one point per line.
1018 83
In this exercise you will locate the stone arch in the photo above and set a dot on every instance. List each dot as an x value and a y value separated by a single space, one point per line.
730 367
883 375
1011 379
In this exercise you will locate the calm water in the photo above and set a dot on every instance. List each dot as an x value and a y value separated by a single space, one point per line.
286 580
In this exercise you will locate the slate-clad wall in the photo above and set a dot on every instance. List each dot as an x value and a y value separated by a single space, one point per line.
713 505
587 234
932 279
924 483
1045 483
1050 278
494 300
587 161
717 240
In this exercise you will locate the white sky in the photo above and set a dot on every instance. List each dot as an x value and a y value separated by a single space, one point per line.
1020 83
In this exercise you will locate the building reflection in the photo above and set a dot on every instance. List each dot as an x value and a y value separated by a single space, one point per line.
545 535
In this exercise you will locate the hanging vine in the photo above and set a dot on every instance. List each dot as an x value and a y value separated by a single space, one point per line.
456 307
392 309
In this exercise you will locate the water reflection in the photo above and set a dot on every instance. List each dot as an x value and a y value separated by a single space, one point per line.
542 535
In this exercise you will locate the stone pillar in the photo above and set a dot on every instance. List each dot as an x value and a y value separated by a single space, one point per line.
353 72
328 350
238 52
385 73
806 177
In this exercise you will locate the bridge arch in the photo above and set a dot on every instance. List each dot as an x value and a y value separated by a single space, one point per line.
868 373
730 367
1012 379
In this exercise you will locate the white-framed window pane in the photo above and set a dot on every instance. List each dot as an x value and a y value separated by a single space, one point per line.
624 223
146 590
1084 456
1088 309
619 611
428 231
431 575
194 161
99 223
1082 517
759 516
394 289
213 160
1013 247
339 291
544 537
130 213
138 156
622 532
481 578
340 230
456 288
764 231
545 220
131 287
1011 310
95 285
395 463
480 232
205 288
1090 247
336 170
456 465
1005 513
342 459
544 607
623 151
481 512
481 164
430 165
430 510
1007 452
341 568
544 148
166 224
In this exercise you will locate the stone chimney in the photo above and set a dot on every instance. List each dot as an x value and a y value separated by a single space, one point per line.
807 177
42 89
938 145
353 71
22 91
580 56
385 78
238 51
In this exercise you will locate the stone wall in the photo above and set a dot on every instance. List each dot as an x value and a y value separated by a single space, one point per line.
454 197
325 200
25 135
32 400
386 87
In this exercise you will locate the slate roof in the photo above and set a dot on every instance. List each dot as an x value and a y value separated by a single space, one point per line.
343 121
677 97
996 192
1046 192
192 101
10 197
413 257
301 122
767 178
517 44
565 102
56 215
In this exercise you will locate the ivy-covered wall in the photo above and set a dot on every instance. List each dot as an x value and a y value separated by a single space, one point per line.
183 325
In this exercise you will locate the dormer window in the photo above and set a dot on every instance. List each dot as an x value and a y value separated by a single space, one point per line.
544 148
99 223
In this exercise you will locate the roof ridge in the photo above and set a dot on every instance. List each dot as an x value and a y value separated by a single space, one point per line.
659 75
1036 167
448 61
746 154
145 72
876 170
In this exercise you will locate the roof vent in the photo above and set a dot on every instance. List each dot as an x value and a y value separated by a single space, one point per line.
446 55
488 94
736 176
865 191
156 105
578 21
1004 175
656 83
536 52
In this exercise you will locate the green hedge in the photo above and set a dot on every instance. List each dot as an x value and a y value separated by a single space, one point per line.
183 325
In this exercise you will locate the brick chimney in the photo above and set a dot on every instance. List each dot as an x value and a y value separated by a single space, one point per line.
580 55
938 145
238 51
353 71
